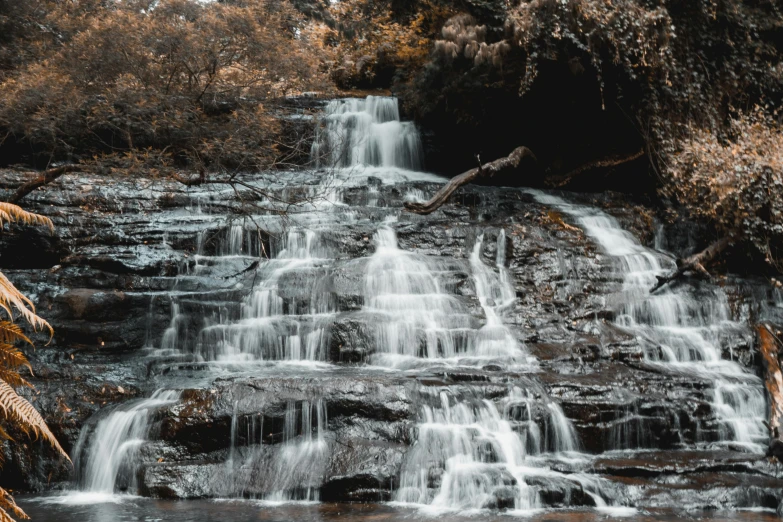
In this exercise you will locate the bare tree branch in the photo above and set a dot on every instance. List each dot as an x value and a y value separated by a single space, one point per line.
559 181
44 178
485 171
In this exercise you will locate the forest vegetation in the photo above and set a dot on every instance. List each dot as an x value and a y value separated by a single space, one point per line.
679 100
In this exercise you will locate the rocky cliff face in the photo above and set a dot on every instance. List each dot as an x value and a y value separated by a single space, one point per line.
123 263
503 352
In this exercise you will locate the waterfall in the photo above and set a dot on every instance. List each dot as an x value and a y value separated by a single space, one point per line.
291 470
298 466
352 352
495 294
415 318
110 459
270 326
358 132
679 330
471 455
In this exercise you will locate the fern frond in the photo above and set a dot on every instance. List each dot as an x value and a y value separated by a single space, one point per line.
10 213
17 409
13 378
7 503
12 357
11 297
10 333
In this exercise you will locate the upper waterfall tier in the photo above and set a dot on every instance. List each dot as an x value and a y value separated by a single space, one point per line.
368 132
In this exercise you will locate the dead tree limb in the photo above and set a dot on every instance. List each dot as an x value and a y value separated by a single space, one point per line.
44 178
559 181
484 171
250 267
769 346
695 263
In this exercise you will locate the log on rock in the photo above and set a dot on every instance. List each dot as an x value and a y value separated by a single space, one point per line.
695 263
482 171
44 178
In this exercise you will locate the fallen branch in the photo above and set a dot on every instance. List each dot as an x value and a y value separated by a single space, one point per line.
252 266
191 182
485 171
44 178
695 263
559 181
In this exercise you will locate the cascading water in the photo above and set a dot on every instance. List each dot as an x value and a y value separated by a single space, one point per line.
471 455
439 403
679 331
366 133
414 315
287 471
271 327
495 294
109 461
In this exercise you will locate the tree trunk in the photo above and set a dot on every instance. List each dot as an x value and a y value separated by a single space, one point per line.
485 171
696 262
44 178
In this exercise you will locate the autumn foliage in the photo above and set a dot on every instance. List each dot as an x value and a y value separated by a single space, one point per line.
374 43
188 80
735 181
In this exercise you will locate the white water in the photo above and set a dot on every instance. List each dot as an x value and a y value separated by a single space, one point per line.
495 293
271 327
416 318
298 466
289 471
112 454
471 455
679 330
366 132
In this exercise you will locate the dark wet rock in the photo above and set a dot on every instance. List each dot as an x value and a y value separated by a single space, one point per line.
700 491
560 492
660 463
122 250
350 341
30 248
179 481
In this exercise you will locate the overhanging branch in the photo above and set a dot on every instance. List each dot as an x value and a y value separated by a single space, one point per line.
44 178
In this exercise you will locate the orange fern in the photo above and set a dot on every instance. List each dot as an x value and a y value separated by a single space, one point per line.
10 213
13 407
